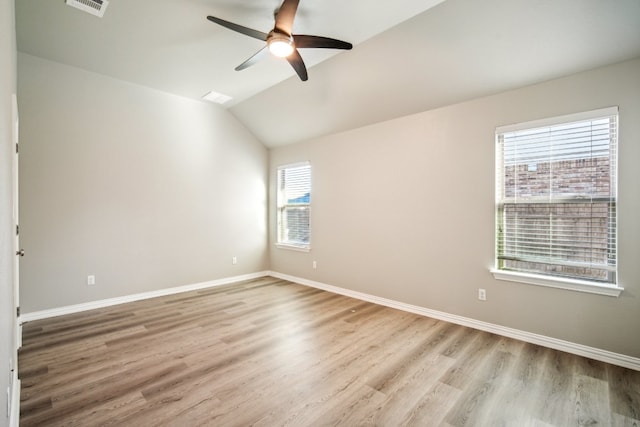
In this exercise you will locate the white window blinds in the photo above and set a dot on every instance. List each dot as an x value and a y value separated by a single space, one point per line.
556 196
294 205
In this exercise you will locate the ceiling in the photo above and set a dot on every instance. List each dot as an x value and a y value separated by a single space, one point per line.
408 55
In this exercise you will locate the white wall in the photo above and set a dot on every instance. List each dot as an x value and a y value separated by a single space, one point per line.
7 88
405 210
142 189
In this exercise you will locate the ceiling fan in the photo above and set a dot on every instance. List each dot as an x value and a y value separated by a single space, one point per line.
281 42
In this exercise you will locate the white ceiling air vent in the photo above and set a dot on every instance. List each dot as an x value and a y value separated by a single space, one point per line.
216 97
94 7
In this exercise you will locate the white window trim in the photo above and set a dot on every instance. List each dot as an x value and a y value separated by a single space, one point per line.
299 248
285 245
568 118
558 282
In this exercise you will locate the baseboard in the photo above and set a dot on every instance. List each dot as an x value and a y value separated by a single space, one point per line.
45 314
13 394
554 343
14 401
557 344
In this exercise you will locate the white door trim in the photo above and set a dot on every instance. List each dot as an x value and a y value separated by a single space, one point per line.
16 216
14 394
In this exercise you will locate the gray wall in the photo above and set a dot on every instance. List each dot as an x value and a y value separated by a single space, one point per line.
405 210
7 88
142 189
147 191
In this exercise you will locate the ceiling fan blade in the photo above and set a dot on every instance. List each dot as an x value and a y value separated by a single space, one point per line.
303 41
298 64
254 59
239 28
285 16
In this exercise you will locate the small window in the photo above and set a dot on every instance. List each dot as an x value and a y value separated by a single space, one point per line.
294 205
556 197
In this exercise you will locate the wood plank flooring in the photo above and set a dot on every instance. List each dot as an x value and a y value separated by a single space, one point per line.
269 352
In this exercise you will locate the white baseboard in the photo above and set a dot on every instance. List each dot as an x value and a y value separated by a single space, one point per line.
14 401
557 344
554 343
45 314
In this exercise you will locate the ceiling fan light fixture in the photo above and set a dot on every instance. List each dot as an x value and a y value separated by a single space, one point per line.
281 45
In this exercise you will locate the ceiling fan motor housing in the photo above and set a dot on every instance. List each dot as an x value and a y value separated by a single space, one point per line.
280 44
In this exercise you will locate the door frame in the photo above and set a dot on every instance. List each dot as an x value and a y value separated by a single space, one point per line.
15 121
14 397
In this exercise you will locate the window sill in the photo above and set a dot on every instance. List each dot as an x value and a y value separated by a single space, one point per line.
293 247
557 282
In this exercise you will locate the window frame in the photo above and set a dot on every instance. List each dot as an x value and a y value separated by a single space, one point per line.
282 206
540 278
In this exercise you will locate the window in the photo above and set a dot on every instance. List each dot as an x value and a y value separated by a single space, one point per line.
556 199
294 205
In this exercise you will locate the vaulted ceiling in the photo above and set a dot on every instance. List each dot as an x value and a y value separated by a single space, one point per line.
408 55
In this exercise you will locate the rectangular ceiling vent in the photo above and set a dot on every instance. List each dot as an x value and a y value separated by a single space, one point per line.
216 97
94 7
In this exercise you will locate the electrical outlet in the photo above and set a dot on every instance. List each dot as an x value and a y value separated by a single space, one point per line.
91 280
234 260
315 265
482 294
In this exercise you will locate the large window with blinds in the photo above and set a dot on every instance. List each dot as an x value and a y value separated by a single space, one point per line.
556 197
294 205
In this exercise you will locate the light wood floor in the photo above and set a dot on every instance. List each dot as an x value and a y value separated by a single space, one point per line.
272 353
